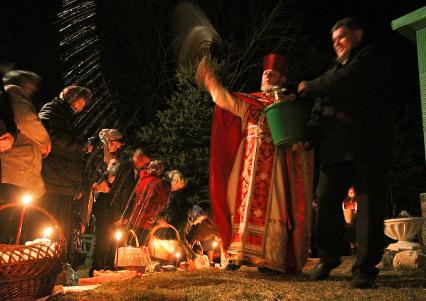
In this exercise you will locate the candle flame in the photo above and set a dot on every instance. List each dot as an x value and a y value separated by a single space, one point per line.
26 199
118 235
47 232
215 244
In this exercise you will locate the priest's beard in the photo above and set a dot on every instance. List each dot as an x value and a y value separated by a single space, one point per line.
268 87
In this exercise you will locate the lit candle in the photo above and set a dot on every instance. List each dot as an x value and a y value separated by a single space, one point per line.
177 255
47 232
118 235
214 245
26 199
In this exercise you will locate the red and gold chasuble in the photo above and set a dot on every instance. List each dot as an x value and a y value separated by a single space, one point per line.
268 192
255 180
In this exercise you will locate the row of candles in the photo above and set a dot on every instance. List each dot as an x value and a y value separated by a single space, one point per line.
156 243
26 200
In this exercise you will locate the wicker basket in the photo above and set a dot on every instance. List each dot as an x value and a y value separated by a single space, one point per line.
29 272
133 258
163 249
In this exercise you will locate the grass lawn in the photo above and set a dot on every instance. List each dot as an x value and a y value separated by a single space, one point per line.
250 285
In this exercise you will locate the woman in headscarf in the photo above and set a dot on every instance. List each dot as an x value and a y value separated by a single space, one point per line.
103 168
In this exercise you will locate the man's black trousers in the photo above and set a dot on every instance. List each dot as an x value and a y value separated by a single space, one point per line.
370 182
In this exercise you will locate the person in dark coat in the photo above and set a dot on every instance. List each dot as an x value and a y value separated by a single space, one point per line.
354 149
123 190
63 169
112 209
101 169
105 148
105 178
205 232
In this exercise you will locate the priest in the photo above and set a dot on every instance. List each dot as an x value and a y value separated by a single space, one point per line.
261 193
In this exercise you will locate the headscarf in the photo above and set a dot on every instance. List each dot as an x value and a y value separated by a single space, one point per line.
106 136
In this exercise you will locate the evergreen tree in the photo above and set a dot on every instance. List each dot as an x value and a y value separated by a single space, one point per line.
180 135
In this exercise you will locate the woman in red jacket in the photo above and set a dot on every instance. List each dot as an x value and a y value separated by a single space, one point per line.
152 196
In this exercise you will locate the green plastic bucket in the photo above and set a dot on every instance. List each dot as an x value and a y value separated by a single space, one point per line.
287 121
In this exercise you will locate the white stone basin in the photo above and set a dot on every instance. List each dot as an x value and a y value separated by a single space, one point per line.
403 230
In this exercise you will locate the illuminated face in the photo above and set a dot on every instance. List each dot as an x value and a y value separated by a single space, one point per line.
344 40
271 78
112 163
114 146
351 192
177 184
78 104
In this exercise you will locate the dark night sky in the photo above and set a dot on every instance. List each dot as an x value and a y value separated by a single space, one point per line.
30 38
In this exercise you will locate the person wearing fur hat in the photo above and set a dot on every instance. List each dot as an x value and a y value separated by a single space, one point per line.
261 194
63 169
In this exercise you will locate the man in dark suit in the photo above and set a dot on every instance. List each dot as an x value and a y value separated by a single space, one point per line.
354 149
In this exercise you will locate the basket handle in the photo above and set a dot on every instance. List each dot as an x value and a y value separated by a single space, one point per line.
40 209
135 237
161 226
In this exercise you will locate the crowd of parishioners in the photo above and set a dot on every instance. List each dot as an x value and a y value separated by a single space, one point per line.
43 153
